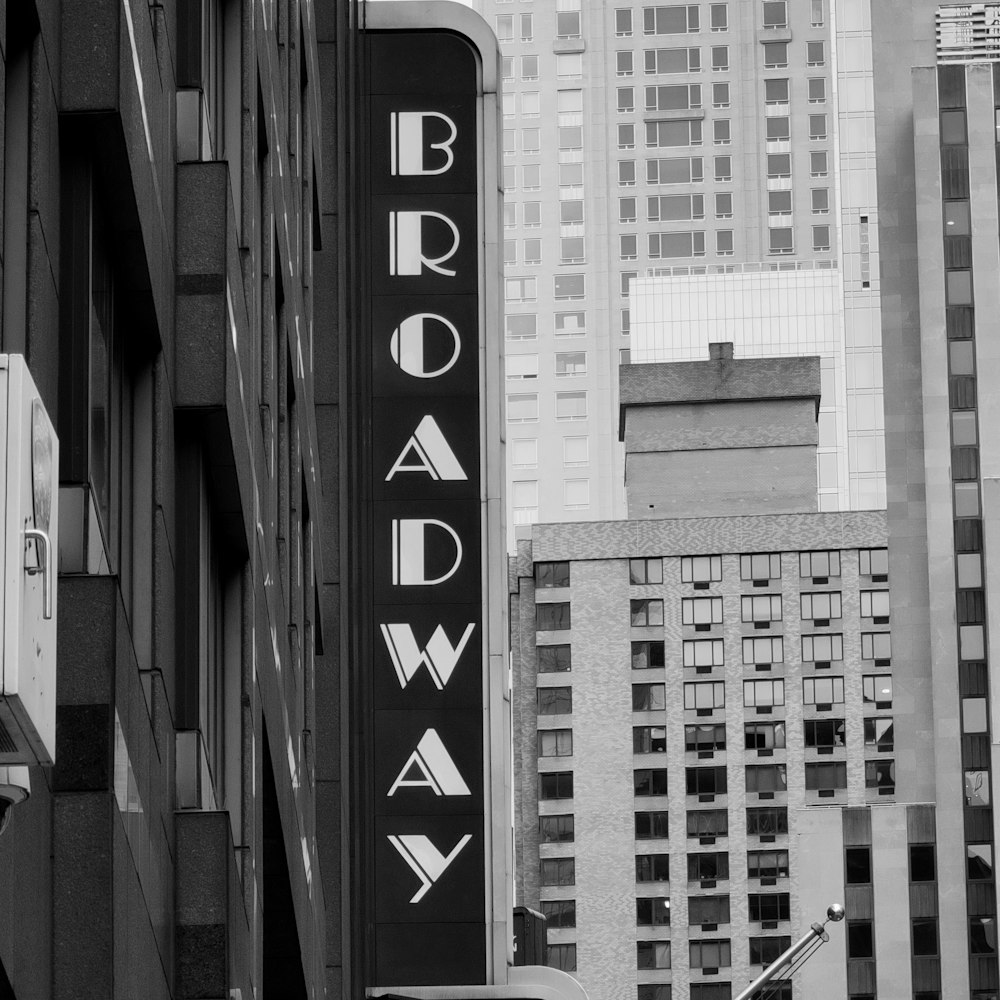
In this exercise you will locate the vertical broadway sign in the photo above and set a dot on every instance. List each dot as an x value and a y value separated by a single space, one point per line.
426 274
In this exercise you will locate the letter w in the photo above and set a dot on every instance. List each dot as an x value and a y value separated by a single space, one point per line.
439 656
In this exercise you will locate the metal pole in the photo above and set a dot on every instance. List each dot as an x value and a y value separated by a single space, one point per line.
834 912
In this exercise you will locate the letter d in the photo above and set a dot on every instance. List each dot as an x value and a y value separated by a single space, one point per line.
409 551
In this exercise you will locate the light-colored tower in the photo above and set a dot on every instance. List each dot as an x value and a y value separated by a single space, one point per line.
644 140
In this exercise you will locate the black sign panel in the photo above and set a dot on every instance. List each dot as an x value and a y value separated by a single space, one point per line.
426 273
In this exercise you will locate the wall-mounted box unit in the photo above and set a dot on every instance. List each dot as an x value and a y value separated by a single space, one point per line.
29 494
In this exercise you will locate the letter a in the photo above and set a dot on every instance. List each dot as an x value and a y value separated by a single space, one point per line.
433 452
424 859
437 769
439 656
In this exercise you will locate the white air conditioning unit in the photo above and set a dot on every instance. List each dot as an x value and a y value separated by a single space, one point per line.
29 467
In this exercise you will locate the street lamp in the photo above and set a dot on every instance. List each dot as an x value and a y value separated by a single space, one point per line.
813 937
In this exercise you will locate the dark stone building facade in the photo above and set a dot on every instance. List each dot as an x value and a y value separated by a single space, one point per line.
177 271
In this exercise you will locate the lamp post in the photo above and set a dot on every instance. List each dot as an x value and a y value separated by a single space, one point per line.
834 912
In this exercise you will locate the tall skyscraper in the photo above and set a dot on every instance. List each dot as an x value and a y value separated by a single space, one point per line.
937 75
665 143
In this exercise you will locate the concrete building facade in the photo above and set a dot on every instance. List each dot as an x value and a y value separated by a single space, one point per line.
705 708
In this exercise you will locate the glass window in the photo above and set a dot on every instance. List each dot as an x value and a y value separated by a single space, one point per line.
763 650
652 911
775 14
820 606
953 128
557 871
710 866
822 649
876 690
817 90
706 954
649 697
703 653
704 695
551 574
645 571
703 611
701 569
552 617
524 453
623 22
720 58
568 24
776 91
651 825
779 202
723 205
876 645
554 659
555 700
652 954
706 780
555 743
826 776
521 326
767 821
720 95
559 912
923 866
815 53
570 286
555 785
761 608
761 566
651 868
775 55
561 956
649 781
779 165
555 830
821 238
820 201
522 407
708 910
768 864
875 604
763 693
818 166
957 218
649 739
719 16
764 735
646 611
705 738
822 690
769 906
570 324
881 774
766 778
569 65
764 950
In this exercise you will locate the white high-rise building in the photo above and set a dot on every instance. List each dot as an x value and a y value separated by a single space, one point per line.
672 140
